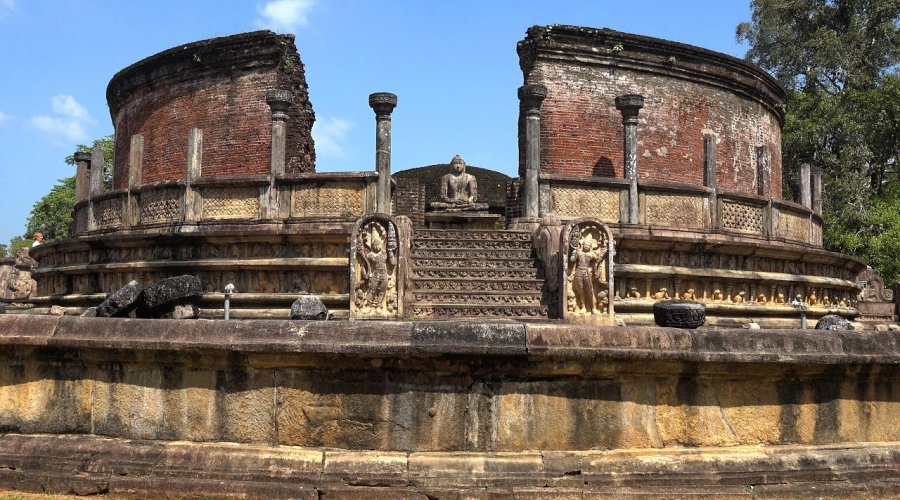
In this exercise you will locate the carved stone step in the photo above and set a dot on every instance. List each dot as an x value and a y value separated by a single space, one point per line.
477 286
473 273
451 244
457 311
472 253
506 298
455 263
473 235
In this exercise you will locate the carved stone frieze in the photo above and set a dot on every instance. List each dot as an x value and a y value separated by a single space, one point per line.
376 281
575 201
161 205
478 286
482 263
586 291
483 299
331 199
742 217
670 209
230 203
478 312
473 273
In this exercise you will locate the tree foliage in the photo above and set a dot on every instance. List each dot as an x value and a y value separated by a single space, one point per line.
52 214
839 61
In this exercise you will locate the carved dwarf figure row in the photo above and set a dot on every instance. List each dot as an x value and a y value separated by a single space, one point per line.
818 297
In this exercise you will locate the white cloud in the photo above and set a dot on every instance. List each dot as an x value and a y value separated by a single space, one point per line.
283 15
69 130
67 123
329 135
67 106
4 117
9 5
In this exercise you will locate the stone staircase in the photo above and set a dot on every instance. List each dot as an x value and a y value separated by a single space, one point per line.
469 274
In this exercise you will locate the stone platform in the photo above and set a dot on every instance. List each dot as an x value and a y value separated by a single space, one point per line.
432 408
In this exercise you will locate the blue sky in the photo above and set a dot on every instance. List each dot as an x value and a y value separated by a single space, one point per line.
453 65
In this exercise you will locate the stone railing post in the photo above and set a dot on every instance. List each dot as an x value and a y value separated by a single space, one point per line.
95 183
763 172
82 175
383 103
816 195
192 201
630 105
135 167
531 97
709 178
805 191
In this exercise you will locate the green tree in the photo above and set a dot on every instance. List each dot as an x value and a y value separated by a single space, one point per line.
52 214
839 61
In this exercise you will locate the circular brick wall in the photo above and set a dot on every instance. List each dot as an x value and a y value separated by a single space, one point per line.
219 86
688 93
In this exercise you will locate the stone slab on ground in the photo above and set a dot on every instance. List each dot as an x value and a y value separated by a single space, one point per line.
170 290
121 302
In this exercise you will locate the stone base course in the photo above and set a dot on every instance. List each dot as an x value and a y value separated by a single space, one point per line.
87 465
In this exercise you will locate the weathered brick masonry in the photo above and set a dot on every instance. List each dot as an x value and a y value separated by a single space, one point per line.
689 93
218 86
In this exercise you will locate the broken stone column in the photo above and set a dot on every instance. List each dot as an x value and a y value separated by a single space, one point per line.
709 177
805 191
95 182
531 97
763 172
82 175
192 201
383 103
630 105
279 101
135 167
816 195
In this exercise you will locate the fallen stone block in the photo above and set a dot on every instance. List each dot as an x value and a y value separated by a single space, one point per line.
833 322
121 302
170 290
679 313
90 312
179 311
57 311
309 307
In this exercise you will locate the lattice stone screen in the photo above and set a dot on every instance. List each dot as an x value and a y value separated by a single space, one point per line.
161 205
335 199
576 201
742 217
230 203
677 210
108 213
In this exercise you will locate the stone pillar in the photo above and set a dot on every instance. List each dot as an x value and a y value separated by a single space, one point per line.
805 191
96 172
763 172
531 97
816 195
629 105
192 201
279 101
383 104
132 214
82 175
709 177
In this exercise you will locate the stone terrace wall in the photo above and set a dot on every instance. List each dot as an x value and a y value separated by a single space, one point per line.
689 92
219 86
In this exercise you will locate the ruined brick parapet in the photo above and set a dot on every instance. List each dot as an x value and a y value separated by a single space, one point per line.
218 86
689 93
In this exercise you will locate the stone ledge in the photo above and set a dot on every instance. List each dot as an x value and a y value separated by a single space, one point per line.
480 338
90 464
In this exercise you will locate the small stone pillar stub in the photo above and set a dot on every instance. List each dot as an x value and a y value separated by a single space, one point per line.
709 176
630 105
192 202
96 173
531 97
383 103
763 172
82 175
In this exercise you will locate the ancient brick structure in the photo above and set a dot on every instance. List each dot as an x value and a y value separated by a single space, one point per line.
689 93
218 86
